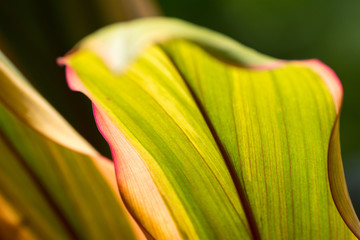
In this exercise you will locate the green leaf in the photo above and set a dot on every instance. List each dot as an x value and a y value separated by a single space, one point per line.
226 143
53 184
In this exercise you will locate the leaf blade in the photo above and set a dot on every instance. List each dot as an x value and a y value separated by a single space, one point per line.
179 144
64 172
294 82
229 95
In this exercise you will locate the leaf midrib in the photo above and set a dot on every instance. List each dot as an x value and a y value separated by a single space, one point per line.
255 233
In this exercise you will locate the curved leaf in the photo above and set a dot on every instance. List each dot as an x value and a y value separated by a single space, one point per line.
119 44
277 131
215 143
168 134
53 184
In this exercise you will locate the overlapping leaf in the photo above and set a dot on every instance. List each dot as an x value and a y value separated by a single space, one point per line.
53 185
222 150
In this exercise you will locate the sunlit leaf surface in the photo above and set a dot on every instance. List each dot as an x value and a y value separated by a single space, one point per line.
53 185
213 149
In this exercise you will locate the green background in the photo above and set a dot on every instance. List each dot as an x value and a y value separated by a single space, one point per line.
34 32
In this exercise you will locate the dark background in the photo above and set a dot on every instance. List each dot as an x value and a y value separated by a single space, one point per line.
34 32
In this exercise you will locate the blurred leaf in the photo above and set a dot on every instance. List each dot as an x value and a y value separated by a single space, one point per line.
53 184
222 151
119 44
33 33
